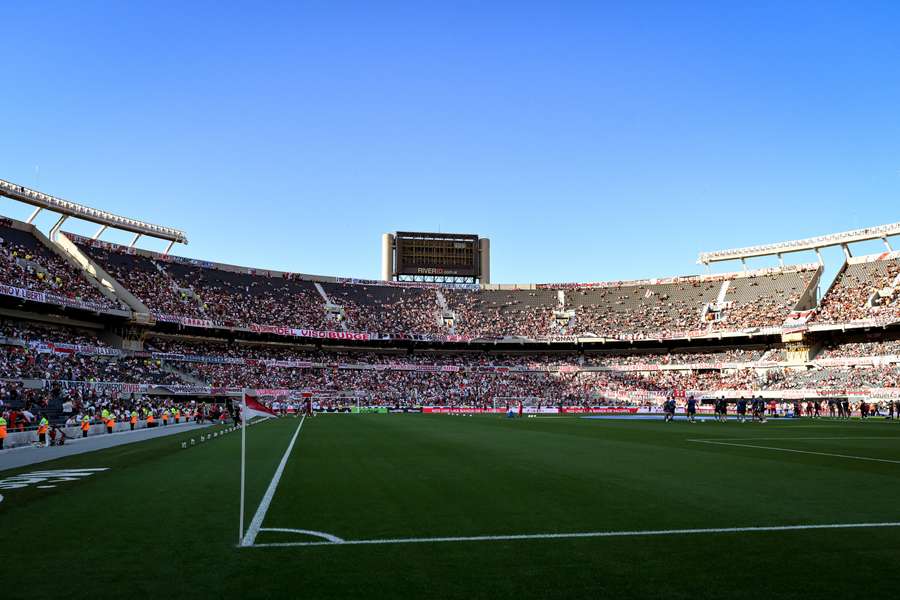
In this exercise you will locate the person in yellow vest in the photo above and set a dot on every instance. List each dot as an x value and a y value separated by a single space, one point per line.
2 431
43 426
110 422
85 425
133 419
177 416
104 416
151 422
165 417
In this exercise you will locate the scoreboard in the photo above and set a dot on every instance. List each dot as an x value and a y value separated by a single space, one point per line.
424 256
437 254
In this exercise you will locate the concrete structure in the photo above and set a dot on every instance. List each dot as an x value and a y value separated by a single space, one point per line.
387 257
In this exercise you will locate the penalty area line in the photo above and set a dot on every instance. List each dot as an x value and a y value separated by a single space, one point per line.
577 535
256 523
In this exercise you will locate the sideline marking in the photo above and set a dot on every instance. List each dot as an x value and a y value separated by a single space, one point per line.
848 456
830 437
589 534
257 521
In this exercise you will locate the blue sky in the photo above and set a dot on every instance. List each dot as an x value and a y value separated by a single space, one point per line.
589 141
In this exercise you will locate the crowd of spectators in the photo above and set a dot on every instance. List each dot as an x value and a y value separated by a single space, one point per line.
262 351
407 310
648 310
37 268
630 312
476 316
431 387
551 377
849 297
736 355
17 362
228 297
860 349
37 331
236 297
764 311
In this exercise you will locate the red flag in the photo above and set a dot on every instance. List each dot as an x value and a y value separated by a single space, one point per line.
255 409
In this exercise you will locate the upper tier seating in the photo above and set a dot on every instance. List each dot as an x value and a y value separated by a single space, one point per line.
26 262
239 297
849 297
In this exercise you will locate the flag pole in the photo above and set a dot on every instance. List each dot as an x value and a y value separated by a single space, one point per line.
243 461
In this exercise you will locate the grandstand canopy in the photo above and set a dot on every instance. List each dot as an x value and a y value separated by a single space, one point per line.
65 208
881 232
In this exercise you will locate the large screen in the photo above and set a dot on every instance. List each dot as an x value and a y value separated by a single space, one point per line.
437 254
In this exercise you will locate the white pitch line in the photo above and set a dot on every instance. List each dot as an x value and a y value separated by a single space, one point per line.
257 522
851 457
589 534
321 534
831 437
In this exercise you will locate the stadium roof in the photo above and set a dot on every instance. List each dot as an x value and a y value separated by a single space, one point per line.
881 232
105 219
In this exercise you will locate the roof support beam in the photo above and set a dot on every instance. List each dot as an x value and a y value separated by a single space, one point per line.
36 212
55 229
887 244
134 241
100 232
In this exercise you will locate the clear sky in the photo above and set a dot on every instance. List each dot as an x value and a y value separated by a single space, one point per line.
589 141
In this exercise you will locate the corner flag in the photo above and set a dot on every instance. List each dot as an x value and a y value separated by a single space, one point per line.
250 407
253 408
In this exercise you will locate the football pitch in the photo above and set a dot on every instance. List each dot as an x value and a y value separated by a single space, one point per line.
395 506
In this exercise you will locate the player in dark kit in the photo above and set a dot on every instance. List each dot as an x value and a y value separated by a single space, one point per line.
721 409
691 408
759 409
669 410
742 409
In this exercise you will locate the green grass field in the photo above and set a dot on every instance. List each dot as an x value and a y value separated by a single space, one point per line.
163 521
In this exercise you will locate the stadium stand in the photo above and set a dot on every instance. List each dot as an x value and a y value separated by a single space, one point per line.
865 288
615 343
387 309
242 297
57 374
500 313
650 309
27 262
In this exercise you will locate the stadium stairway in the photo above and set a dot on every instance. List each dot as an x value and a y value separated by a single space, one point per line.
441 300
322 293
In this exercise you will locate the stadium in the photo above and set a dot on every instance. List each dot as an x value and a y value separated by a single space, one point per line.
450 300
121 364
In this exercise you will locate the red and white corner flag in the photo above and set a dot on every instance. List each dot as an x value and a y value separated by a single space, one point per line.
253 408
250 407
